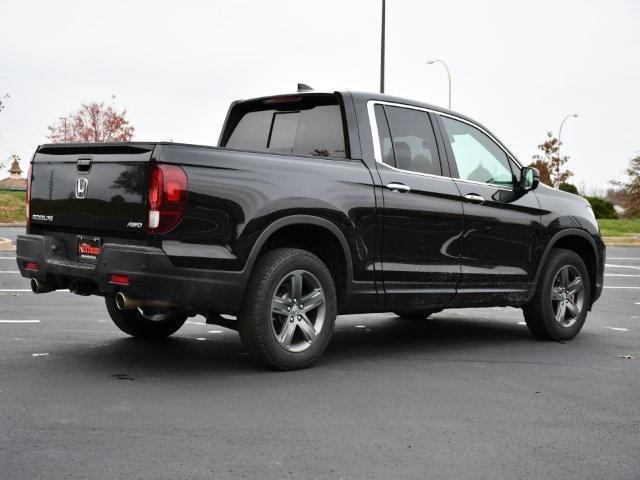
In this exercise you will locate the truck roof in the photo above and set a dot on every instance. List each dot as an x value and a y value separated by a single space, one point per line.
359 96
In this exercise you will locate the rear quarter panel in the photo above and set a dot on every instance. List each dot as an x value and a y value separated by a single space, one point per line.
235 195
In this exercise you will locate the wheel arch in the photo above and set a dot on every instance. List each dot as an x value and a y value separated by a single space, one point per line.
579 242
312 233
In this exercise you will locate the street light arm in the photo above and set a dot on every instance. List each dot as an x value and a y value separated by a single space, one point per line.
442 62
574 115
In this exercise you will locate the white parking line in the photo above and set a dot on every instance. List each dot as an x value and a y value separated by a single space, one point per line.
9 271
618 329
18 290
620 275
609 265
7 258
19 321
39 354
623 258
632 288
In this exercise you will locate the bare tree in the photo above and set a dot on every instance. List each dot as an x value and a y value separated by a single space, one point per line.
93 122
550 164
629 192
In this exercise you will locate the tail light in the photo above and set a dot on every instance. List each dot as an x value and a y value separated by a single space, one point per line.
167 197
28 193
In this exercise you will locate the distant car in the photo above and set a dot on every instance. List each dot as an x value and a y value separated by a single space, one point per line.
313 205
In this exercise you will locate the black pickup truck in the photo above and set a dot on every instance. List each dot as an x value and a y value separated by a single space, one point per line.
312 205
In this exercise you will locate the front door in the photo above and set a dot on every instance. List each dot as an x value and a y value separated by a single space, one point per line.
422 211
501 221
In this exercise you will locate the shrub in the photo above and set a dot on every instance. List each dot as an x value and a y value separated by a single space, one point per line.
602 208
568 187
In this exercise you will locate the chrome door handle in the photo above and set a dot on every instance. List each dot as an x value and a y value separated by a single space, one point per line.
474 198
398 187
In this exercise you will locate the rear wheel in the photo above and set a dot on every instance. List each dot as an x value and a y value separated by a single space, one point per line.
288 313
559 307
145 323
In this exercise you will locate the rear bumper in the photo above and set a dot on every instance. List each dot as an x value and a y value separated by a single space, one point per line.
150 271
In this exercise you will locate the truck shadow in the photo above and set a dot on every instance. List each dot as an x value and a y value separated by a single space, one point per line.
358 339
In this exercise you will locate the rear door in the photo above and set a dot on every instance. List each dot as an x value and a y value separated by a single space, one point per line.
422 212
500 221
98 188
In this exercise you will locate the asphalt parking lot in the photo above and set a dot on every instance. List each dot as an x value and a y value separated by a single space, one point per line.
467 394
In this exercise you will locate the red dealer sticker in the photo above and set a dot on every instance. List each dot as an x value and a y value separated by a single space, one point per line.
88 249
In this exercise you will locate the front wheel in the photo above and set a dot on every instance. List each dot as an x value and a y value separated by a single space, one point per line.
289 310
145 323
559 307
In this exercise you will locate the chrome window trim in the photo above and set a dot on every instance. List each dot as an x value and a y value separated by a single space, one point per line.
378 153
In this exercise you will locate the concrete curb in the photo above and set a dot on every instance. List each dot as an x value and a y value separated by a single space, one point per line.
6 245
13 225
631 241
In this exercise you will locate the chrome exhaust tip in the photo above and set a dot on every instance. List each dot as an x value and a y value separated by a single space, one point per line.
40 287
125 302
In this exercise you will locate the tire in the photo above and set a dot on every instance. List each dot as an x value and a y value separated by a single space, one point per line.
415 315
545 317
152 326
288 339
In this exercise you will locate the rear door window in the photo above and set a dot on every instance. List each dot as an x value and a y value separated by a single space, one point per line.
308 126
413 142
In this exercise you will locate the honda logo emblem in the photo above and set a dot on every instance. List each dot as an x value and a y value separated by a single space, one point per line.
81 187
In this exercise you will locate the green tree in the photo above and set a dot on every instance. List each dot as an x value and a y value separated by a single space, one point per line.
550 164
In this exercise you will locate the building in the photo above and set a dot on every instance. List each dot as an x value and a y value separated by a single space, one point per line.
14 181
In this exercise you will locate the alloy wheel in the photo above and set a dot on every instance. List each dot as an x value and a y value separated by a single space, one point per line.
297 310
567 296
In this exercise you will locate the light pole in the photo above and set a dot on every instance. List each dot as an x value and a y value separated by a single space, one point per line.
574 115
382 48
437 60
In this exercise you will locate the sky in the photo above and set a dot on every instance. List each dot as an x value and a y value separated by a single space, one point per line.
518 67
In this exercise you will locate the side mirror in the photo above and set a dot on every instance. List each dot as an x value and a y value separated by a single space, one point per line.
530 178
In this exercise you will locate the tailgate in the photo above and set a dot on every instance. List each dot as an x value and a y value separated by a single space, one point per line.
91 187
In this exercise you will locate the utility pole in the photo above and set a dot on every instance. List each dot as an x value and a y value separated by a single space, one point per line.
382 49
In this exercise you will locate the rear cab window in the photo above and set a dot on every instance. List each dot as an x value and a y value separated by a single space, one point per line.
309 125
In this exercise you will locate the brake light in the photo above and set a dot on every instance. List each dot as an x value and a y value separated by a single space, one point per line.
271 101
28 193
31 266
168 188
